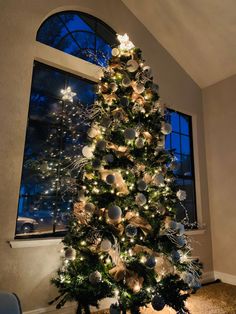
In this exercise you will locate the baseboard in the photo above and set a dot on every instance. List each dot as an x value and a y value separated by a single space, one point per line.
67 309
226 278
207 277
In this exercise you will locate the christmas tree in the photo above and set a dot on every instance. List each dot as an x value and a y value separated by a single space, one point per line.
123 240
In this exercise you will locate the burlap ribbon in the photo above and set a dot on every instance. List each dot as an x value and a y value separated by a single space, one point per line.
119 183
120 151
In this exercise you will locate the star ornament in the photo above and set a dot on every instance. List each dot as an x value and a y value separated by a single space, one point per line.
68 94
125 43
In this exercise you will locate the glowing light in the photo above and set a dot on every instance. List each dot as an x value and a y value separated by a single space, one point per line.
125 43
68 94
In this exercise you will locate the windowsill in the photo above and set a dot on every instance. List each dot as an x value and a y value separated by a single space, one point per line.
195 232
17 244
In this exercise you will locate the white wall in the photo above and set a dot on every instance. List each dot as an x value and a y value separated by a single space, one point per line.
27 271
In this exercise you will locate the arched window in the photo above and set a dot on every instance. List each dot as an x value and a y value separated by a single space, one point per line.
78 34
45 199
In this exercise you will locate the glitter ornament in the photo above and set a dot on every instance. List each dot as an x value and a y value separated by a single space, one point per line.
181 195
90 207
140 199
115 52
114 212
109 158
126 82
95 277
158 179
175 256
130 134
142 185
132 66
105 245
70 253
87 151
158 302
140 142
180 240
110 179
131 231
166 128
101 145
150 262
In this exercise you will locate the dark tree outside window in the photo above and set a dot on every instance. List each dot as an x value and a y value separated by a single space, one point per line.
78 34
180 140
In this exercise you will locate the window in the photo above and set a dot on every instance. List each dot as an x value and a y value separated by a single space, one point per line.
45 195
180 140
80 35
46 192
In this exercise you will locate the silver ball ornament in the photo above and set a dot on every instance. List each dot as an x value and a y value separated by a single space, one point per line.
158 302
114 309
147 71
109 158
110 179
158 179
180 228
142 185
180 240
126 82
140 199
114 212
166 128
95 277
101 145
130 134
139 142
131 231
132 66
150 262
113 87
115 52
70 253
139 88
105 245
90 207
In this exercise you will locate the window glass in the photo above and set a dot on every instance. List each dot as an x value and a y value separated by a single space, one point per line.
180 140
80 35
47 192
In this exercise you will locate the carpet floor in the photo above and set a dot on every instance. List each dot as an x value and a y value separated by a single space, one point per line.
216 298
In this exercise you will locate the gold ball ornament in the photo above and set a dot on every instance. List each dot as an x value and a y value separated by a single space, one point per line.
115 52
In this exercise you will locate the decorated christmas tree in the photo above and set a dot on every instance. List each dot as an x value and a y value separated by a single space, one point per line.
123 240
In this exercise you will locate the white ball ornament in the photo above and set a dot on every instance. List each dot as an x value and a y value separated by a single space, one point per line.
142 185
181 194
140 199
87 152
115 52
130 134
95 277
110 179
158 179
93 131
105 245
114 212
166 128
132 66
140 142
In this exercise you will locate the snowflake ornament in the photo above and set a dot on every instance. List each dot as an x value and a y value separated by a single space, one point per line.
68 94
125 43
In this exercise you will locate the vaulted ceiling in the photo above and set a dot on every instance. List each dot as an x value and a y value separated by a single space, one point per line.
199 34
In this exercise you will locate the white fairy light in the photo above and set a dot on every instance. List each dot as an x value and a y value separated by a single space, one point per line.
68 94
125 43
